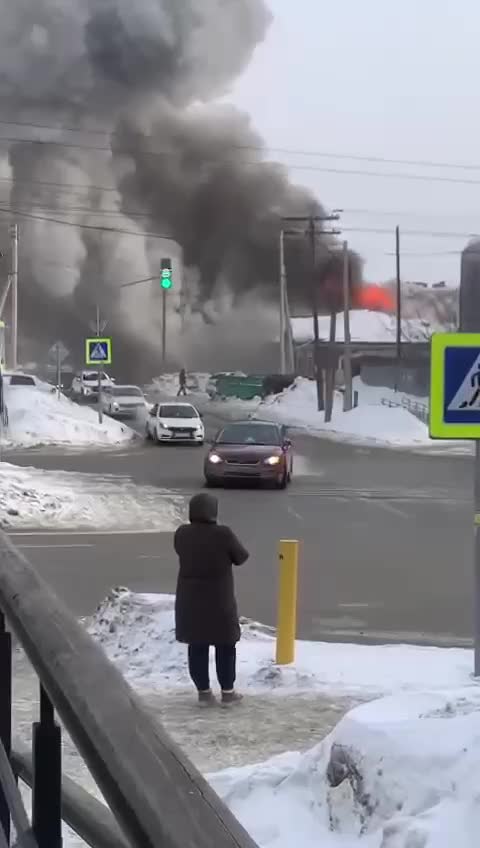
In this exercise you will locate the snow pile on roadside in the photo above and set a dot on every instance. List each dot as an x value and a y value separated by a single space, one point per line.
399 772
137 632
297 407
39 418
31 498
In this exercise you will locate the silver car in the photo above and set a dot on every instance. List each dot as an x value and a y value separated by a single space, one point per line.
123 401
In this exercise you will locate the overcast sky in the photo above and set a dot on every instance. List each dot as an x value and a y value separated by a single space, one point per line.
378 79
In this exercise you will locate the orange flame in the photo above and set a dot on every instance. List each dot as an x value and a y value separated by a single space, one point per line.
375 298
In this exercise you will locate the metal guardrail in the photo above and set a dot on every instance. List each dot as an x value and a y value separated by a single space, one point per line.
417 408
156 798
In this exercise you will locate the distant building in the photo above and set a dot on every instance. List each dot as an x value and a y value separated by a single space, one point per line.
374 350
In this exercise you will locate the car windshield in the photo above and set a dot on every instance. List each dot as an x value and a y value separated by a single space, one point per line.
90 377
126 391
177 411
21 380
249 434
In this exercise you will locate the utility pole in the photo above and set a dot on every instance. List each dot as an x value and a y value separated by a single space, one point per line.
282 303
14 288
399 310
331 368
314 297
347 345
311 221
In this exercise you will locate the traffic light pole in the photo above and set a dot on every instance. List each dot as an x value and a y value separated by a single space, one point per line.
164 325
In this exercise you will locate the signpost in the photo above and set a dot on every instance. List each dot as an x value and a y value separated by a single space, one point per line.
58 353
98 352
455 414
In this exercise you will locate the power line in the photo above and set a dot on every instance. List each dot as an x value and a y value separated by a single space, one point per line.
409 232
15 211
259 148
117 230
287 165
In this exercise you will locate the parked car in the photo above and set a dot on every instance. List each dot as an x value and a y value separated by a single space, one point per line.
211 385
21 380
85 383
250 450
123 401
175 422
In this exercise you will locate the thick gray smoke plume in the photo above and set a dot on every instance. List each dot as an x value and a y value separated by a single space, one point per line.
169 162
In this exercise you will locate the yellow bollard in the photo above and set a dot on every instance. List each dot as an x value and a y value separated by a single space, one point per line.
287 601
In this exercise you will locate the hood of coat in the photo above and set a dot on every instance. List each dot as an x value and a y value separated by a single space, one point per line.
203 509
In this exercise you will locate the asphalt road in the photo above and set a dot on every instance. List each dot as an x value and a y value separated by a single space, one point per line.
386 539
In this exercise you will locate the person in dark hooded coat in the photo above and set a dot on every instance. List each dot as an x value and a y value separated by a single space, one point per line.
205 606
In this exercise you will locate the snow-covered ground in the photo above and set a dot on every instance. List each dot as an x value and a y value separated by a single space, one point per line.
397 772
137 633
37 417
400 772
372 422
30 497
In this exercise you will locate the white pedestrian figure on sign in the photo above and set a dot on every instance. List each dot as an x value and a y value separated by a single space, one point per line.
475 383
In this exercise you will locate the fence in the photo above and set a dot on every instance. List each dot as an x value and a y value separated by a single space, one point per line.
420 410
155 797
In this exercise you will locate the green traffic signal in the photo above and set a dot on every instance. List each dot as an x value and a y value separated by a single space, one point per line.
166 281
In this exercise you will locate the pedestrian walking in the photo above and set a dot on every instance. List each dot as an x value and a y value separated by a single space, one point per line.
206 612
182 381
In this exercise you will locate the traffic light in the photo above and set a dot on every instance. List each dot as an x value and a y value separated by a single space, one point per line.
166 280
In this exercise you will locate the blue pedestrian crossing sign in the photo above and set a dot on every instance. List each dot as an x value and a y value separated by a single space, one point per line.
98 351
455 386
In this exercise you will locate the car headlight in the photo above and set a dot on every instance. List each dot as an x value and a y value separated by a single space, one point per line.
272 460
214 458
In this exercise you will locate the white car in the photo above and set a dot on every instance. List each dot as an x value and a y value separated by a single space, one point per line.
85 383
123 401
175 422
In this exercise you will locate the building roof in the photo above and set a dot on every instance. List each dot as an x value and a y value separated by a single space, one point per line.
365 326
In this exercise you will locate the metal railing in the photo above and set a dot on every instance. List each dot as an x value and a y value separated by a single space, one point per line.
417 408
155 797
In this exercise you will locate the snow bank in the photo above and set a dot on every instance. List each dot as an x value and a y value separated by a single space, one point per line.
400 772
31 498
137 632
38 417
369 422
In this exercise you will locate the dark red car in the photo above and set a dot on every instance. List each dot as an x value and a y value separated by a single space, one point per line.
250 450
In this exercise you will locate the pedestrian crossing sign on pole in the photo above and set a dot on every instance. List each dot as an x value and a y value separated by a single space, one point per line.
455 386
98 351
